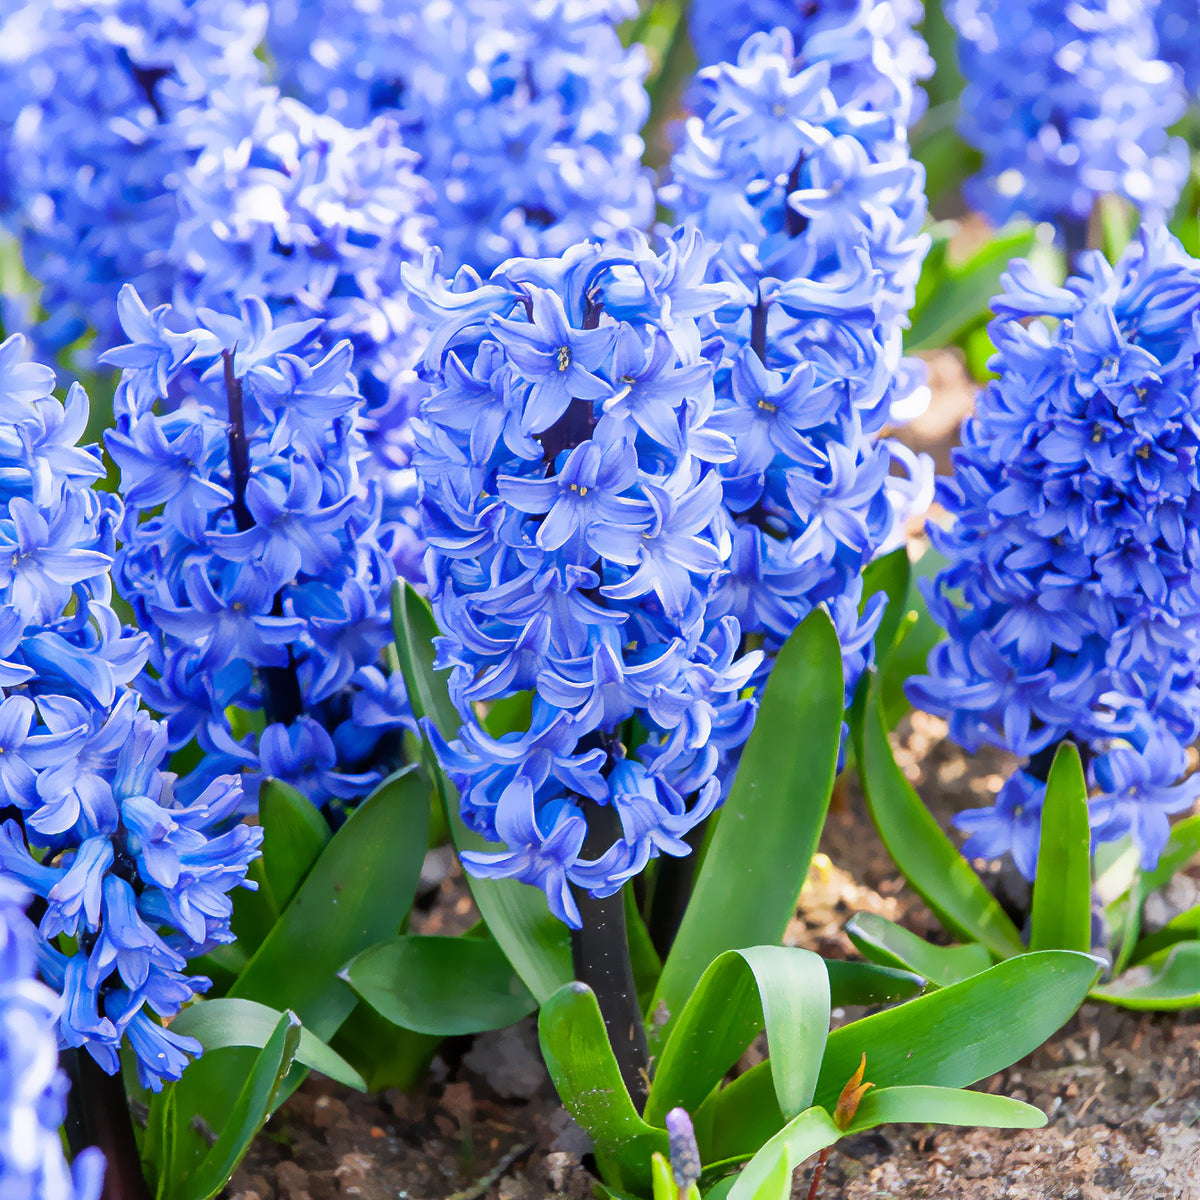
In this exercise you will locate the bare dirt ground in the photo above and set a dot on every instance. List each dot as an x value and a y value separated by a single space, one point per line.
1121 1089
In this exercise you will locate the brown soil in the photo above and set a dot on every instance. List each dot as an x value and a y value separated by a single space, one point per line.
1121 1089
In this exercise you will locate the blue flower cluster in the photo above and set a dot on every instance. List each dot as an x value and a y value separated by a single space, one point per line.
572 505
32 1088
875 53
818 209
1072 595
250 548
525 116
1067 103
87 144
134 877
1178 26
316 219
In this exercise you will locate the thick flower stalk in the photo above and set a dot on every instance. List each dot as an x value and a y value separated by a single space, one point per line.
87 147
316 219
571 502
32 1087
1067 103
1072 596
526 117
878 64
133 879
250 549
818 208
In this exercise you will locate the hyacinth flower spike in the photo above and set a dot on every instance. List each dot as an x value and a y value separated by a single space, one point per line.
579 566
1070 596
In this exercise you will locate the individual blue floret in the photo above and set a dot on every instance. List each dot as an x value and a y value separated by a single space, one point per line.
1067 103
32 1087
134 876
250 547
1072 595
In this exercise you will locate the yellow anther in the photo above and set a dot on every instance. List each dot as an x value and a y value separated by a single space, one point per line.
564 357
1097 432
1142 451
767 406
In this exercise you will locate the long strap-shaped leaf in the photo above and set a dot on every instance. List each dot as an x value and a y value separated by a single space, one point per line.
245 1116
783 988
930 862
756 864
1062 891
949 1038
535 943
357 893
581 1062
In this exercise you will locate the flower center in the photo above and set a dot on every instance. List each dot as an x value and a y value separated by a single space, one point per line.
564 357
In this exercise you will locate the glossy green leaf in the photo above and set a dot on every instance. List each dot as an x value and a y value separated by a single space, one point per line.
1182 847
1181 928
963 294
960 1034
891 945
580 1061
1167 980
294 834
734 1121
216 1024
942 1106
777 1182
745 892
440 985
1062 892
356 894
783 988
930 862
250 1109
386 1055
889 575
916 637
869 983
805 1134
534 941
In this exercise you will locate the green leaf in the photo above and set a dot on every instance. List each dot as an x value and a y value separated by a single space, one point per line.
244 1118
1167 980
415 630
884 942
782 987
960 1034
889 575
1181 928
294 834
1062 894
805 1134
942 1106
356 894
930 862
867 983
387 1055
1182 846
216 1024
745 892
962 296
440 985
580 1061
534 941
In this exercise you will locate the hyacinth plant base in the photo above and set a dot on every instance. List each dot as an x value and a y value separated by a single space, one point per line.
1119 1086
